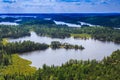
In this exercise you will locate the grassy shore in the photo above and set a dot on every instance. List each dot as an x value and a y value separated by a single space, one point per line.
18 67
82 36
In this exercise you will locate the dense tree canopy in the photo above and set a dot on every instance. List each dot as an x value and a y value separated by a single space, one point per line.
13 31
99 33
20 47
57 45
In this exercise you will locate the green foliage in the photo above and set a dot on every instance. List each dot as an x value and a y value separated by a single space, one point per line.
4 42
5 58
13 31
107 69
55 31
15 68
99 33
82 36
57 45
39 22
20 69
109 20
20 47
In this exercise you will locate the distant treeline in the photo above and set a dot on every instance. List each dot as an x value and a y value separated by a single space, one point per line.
61 31
95 19
105 20
99 33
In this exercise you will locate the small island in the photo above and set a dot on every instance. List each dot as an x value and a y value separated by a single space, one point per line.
28 46
57 45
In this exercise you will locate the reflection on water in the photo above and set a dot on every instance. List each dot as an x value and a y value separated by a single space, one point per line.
9 23
68 24
94 49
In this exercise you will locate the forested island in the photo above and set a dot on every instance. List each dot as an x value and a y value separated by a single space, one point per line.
27 46
57 45
12 67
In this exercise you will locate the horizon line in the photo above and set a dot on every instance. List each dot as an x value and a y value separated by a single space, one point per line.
67 13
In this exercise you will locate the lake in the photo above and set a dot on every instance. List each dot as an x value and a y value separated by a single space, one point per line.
94 49
73 25
68 24
9 23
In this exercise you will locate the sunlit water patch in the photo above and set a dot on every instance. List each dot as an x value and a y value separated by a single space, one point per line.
9 23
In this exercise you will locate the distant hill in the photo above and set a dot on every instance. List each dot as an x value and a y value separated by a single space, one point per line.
106 20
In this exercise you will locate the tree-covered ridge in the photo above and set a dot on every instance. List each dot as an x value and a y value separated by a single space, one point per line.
102 19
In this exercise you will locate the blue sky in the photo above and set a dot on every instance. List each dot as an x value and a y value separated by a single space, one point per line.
59 6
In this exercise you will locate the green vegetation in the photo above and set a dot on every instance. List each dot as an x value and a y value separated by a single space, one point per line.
19 69
38 22
107 69
82 36
20 47
104 19
54 31
13 31
5 58
57 45
99 33
27 46
109 21
12 67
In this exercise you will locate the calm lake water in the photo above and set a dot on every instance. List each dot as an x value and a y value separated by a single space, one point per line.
9 23
73 25
94 49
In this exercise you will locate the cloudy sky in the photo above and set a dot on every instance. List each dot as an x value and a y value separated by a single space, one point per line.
59 6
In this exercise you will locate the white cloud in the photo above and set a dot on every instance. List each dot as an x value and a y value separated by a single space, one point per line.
52 6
